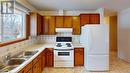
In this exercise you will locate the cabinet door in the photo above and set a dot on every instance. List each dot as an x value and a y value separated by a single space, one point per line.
78 56
35 68
45 25
26 68
94 18
27 26
49 57
30 71
76 25
67 21
39 23
59 21
52 25
84 19
43 59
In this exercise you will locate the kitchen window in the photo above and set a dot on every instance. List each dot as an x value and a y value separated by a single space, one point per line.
13 26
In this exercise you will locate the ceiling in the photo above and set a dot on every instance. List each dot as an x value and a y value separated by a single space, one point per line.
115 5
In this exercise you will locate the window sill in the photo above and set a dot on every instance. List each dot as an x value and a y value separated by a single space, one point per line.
12 42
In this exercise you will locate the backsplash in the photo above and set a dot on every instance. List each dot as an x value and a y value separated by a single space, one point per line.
52 38
16 48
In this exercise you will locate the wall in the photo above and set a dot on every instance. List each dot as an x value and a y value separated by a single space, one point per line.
124 34
113 33
52 38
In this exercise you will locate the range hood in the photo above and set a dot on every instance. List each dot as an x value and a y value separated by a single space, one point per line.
61 13
64 30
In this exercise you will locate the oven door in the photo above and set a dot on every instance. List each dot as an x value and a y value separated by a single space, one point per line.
63 54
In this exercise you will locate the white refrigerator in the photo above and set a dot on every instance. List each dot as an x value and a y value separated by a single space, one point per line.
95 39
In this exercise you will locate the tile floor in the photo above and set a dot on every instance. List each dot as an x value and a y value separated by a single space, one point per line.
116 66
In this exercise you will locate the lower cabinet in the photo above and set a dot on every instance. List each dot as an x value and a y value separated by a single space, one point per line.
79 56
37 65
49 57
27 68
43 60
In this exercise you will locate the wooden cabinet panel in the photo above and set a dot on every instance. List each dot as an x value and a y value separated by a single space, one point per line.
76 25
45 25
59 21
39 23
37 65
49 57
43 59
52 25
78 56
30 71
67 21
90 19
95 18
27 26
85 19
26 68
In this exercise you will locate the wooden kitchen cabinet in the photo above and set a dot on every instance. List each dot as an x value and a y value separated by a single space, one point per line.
49 57
37 67
90 18
67 22
43 59
48 26
59 21
52 25
39 23
27 26
94 18
27 69
76 25
78 56
84 19
45 25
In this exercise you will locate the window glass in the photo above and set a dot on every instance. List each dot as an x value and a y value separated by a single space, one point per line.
12 26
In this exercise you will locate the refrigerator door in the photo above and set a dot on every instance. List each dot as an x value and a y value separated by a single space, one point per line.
95 38
97 63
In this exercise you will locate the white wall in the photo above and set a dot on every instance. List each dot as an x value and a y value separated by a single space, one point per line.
124 34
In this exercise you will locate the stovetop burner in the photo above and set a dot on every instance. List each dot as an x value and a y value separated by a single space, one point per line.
58 45
63 45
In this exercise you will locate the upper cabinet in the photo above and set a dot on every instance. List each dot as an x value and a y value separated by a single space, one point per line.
67 22
94 18
63 21
48 26
35 24
85 19
59 21
76 25
90 19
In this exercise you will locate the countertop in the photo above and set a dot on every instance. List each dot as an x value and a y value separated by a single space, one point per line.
40 47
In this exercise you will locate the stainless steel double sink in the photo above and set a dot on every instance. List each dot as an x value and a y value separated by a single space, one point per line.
16 61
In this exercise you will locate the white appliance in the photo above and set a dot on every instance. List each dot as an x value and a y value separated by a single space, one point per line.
64 52
95 39
64 30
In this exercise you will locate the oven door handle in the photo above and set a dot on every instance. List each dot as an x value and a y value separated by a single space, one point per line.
63 49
